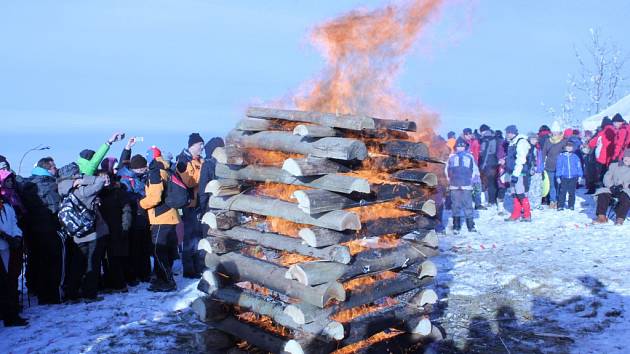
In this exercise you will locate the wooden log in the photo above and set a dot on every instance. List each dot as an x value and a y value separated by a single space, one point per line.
334 253
345 121
228 155
335 148
243 268
312 166
418 176
208 310
314 131
424 298
321 237
315 273
210 281
428 239
257 125
331 182
221 219
274 309
223 187
337 220
213 341
420 205
405 149
218 245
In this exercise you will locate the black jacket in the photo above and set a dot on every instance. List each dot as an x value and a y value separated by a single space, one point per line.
489 152
41 199
117 213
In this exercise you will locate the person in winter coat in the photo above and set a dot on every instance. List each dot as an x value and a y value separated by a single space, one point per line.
473 147
461 170
207 172
536 173
89 160
10 266
517 166
603 145
616 184
85 253
163 221
450 141
551 150
622 139
133 178
544 133
44 245
189 164
568 171
491 152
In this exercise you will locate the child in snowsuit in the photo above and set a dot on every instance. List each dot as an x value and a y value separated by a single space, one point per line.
568 171
461 170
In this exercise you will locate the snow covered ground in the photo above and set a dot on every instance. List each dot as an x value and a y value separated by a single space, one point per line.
553 286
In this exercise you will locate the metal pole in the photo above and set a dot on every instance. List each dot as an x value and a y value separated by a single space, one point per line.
38 147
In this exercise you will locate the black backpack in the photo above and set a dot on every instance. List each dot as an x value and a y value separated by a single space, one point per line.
177 193
76 219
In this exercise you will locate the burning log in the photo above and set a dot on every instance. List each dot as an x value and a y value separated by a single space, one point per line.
337 220
425 206
218 245
331 182
257 125
221 219
400 316
334 253
405 149
243 268
344 121
228 155
315 273
314 131
335 148
415 175
223 187
312 166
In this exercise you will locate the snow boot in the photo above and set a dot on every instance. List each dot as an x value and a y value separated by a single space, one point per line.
527 209
516 211
457 224
470 224
619 221
15 321
500 208
601 219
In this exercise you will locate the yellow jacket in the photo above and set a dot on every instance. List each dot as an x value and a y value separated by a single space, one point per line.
153 202
190 177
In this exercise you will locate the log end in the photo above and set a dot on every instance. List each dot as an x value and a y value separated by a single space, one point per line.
431 239
342 255
308 236
428 269
292 167
220 155
334 290
425 297
301 130
361 185
423 327
212 279
296 314
429 208
334 330
304 202
350 221
293 347
210 219
430 179
204 245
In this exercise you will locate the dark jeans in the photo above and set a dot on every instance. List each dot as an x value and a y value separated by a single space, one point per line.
114 272
164 250
567 185
489 181
192 259
603 202
9 305
139 260
84 268
46 265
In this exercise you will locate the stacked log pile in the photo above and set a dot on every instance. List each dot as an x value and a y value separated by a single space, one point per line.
319 234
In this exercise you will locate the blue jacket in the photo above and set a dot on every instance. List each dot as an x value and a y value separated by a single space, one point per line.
568 165
461 169
132 183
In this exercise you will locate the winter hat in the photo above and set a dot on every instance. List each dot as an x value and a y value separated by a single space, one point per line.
87 154
606 122
544 128
108 164
153 153
137 161
461 143
450 135
618 119
511 129
568 132
194 138
467 131
69 171
4 164
484 128
555 127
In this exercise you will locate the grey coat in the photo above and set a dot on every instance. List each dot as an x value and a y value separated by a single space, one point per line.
87 192
618 175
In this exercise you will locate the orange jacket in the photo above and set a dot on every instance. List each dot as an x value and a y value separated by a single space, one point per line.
191 177
154 193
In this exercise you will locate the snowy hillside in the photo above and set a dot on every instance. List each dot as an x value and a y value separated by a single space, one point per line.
556 285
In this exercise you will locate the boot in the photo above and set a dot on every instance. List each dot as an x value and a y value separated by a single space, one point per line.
457 224
516 211
601 219
553 205
470 224
15 321
500 208
619 221
527 210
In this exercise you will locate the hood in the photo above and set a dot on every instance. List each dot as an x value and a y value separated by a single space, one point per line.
211 145
39 171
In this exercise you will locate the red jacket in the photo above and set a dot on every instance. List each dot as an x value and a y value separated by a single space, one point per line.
474 148
622 139
604 145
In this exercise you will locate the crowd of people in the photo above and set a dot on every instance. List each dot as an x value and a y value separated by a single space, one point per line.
92 226
538 170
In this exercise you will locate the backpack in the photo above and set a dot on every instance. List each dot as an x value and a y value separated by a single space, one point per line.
75 218
177 193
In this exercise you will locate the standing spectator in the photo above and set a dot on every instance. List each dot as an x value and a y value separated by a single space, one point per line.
551 150
603 145
622 137
89 160
207 172
474 148
163 221
517 166
490 154
544 134
84 253
189 165
450 141
41 226
616 184
568 171
10 266
461 169
536 173
133 178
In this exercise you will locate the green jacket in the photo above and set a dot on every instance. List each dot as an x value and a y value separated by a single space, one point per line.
89 167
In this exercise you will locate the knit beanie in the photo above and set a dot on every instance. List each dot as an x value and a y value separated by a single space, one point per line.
511 129
544 128
194 138
618 119
137 161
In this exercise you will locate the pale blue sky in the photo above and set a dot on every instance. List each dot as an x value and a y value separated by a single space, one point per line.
71 72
